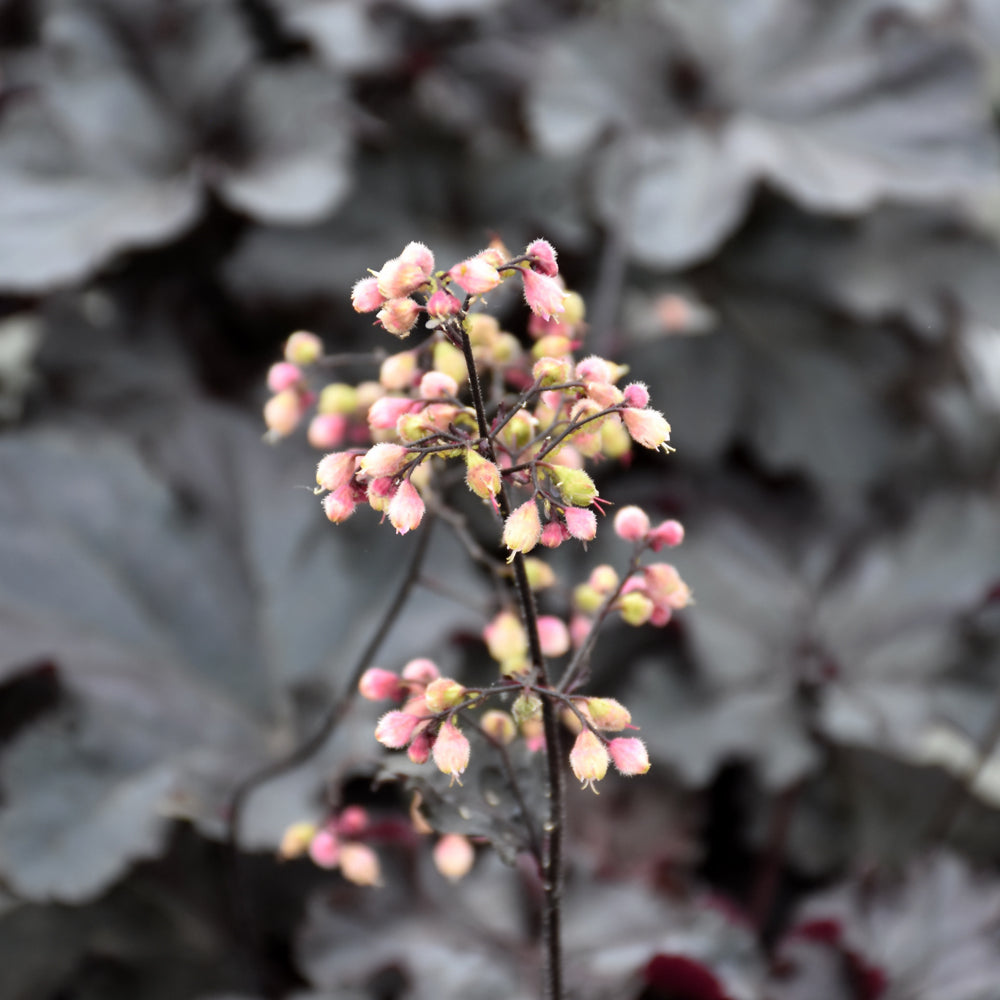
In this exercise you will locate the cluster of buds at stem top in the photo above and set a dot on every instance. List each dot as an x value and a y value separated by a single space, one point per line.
423 725
593 751
338 843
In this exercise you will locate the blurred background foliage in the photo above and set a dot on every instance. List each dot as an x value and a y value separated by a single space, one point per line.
783 214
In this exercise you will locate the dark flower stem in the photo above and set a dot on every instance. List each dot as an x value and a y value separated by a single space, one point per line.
551 860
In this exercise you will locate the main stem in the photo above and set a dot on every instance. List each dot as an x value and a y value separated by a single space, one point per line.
551 861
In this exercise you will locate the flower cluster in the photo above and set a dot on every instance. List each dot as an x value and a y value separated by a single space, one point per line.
336 844
417 415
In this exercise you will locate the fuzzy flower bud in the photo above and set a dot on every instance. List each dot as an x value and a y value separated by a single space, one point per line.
574 485
419 750
665 586
327 430
359 864
339 505
395 729
506 639
595 369
631 524
451 751
384 460
667 533
499 726
436 384
454 856
378 684
335 470
339 398
282 412
418 673
588 758
481 475
283 375
553 634
580 523
400 277
443 305
303 349
543 257
522 529
540 574
419 254
406 509
324 849
636 608
365 296
554 534
384 413
443 693
609 714
636 395
526 706
545 296
352 821
552 371
475 275
398 316
397 371
647 427
629 755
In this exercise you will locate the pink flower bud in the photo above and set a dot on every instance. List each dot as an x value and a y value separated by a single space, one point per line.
629 755
419 254
395 729
636 395
453 856
359 864
434 385
481 475
397 371
636 608
365 296
451 751
554 635
552 371
579 629
443 305
647 427
545 296
303 349
580 523
420 749
377 684
522 529
399 277
443 693
325 849
406 509
631 524
543 257
607 713
380 493
554 534
588 758
665 586
385 412
352 821
283 375
339 505
603 579
282 413
667 533
398 316
418 673
506 639
475 275
499 726
382 460
594 369
604 394
327 430
335 470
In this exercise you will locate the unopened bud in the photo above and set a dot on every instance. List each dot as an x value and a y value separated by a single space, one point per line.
451 751
453 856
629 755
499 726
303 349
359 864
589 758
443 693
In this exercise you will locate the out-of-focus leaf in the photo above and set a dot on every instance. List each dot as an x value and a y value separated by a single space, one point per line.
931 934
815 99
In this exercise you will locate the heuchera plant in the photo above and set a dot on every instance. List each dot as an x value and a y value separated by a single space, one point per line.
524 423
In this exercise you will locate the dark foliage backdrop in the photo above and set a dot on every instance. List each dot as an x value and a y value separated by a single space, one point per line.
784 214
